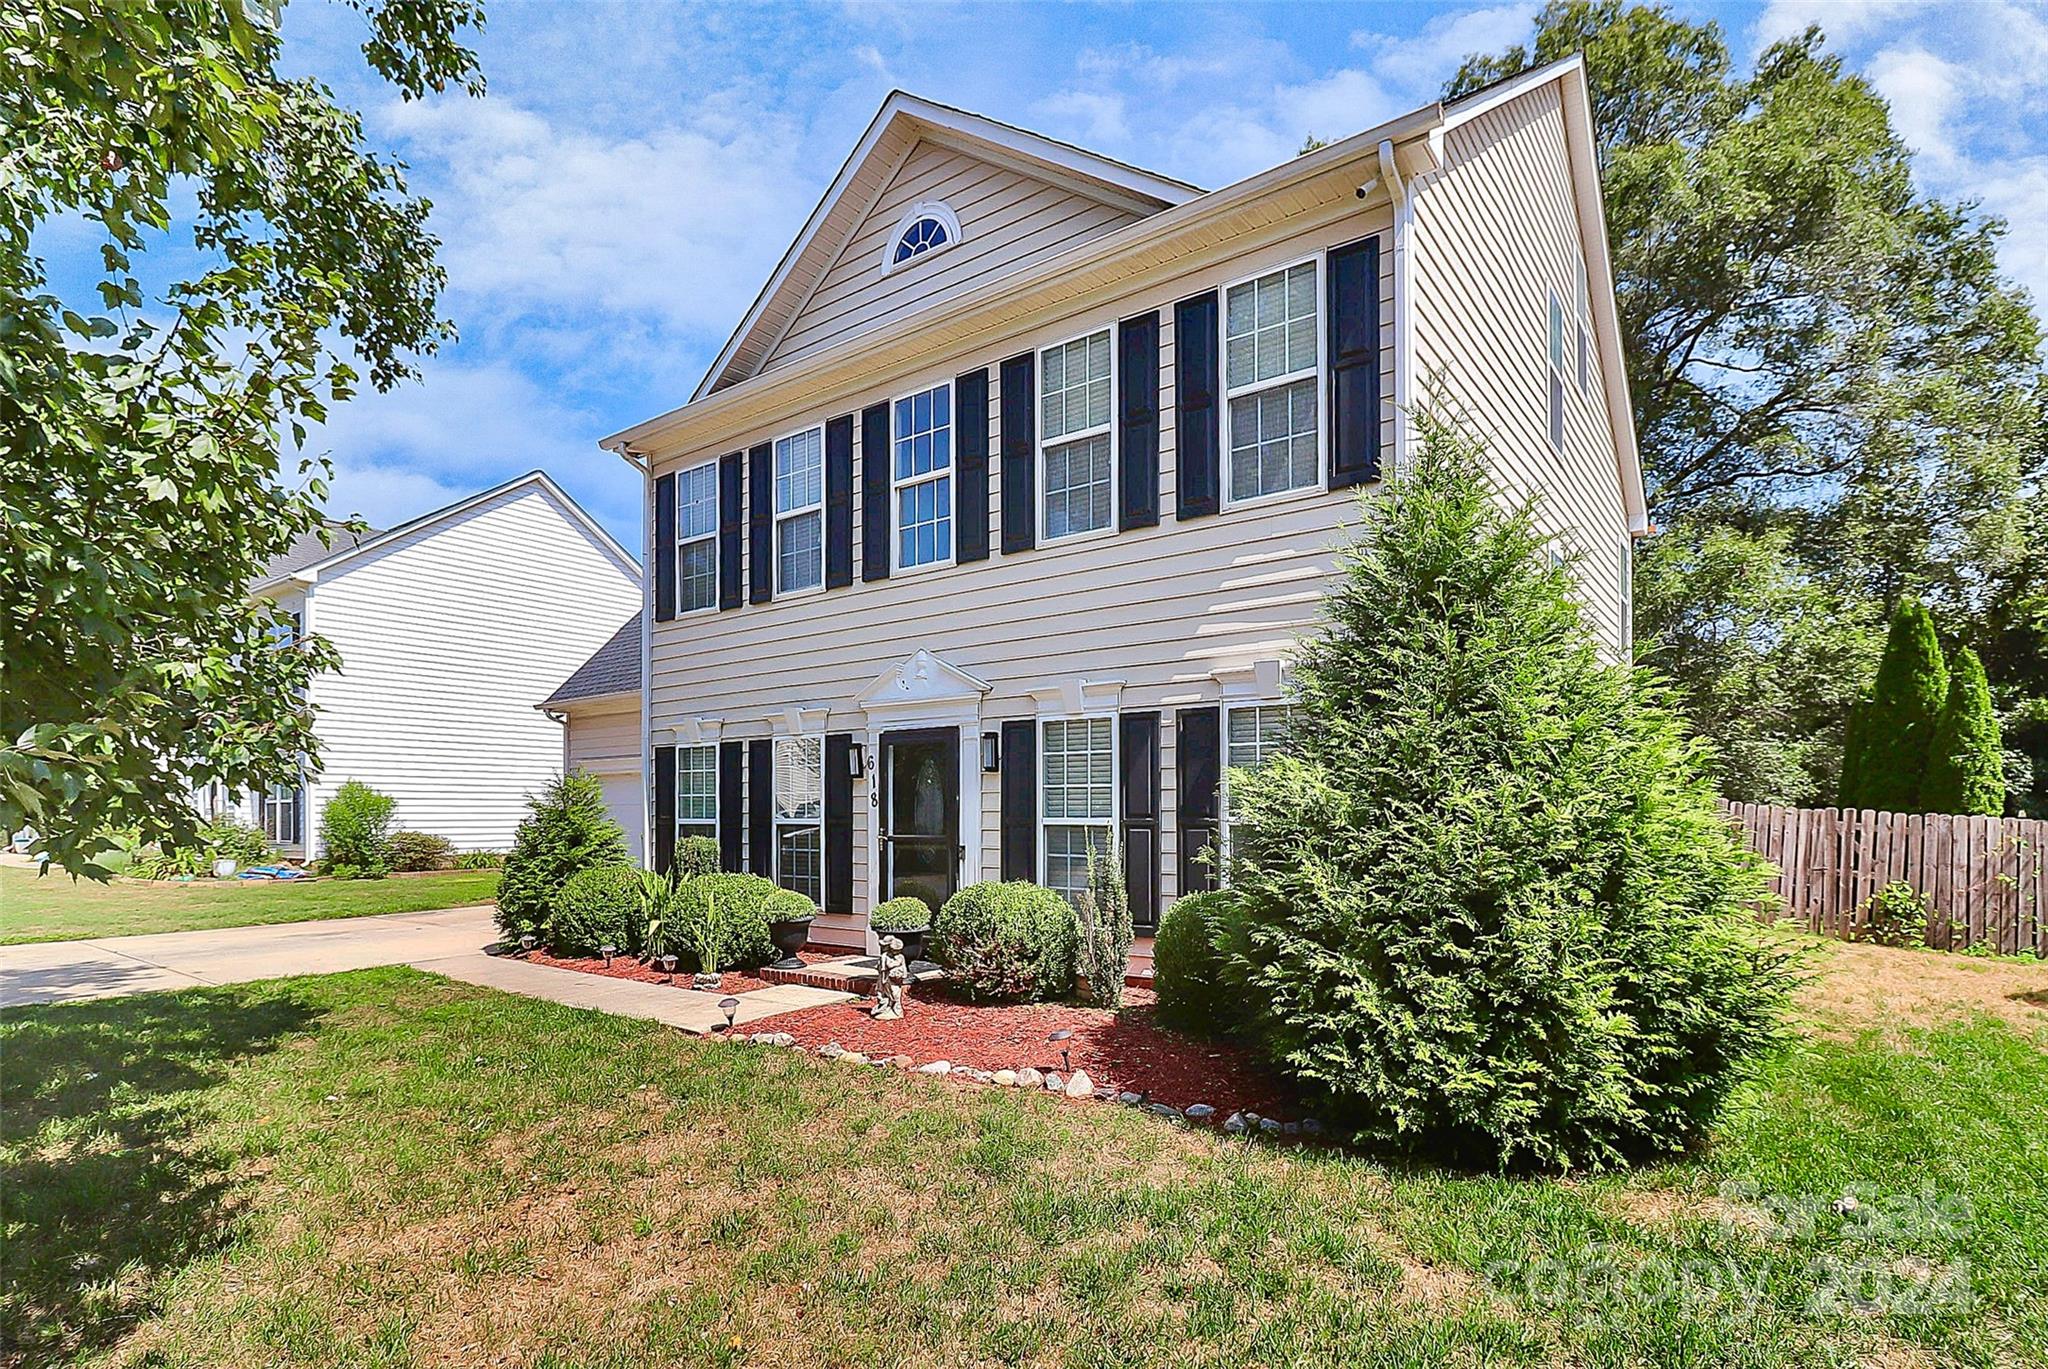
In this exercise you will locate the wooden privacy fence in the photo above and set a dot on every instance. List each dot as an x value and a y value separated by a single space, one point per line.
1983 878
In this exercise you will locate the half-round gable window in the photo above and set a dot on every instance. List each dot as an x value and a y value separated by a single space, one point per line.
925 228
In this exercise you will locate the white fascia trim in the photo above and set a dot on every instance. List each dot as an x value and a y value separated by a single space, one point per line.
1251 681
1074 698
646 669
1403 198
802 720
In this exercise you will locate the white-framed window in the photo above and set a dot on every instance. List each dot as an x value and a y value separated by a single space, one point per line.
800 511
697 538
696 791
926 227
800 815
1556 371
1076 446
279 811
1252 735
922 477
1272 381
1077 798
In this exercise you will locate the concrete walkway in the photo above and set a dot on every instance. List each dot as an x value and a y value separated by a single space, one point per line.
449 942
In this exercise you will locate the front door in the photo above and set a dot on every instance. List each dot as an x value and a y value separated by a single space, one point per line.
920 819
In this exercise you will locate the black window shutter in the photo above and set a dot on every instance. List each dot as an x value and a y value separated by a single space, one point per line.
665 548
1140 786
1199 734
729 810
1020 456
838 823
1354 304
1020 800
1138 419
874 492
970 418
1197 436
761 807
730 591
839 502
664 808
761 524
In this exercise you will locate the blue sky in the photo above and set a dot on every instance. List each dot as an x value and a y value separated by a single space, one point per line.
608 211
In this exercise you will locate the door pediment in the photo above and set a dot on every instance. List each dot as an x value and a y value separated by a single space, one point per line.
923 684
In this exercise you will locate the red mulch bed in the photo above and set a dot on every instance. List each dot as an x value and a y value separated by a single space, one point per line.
1125 1050
626 967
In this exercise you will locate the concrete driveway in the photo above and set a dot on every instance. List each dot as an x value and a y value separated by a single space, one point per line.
58 971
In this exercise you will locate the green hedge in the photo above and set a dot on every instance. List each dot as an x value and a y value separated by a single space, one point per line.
1010 941
1187 968
597 908
734 910
696 856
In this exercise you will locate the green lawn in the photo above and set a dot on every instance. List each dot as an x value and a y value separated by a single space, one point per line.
55 907
385 1168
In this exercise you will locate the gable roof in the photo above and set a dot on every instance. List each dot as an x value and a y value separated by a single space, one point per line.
903 121
311 547
332 557
613 668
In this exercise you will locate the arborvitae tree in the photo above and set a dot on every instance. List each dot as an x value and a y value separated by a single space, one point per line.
567 829
1897 727
1966 764
1487 905
1850 785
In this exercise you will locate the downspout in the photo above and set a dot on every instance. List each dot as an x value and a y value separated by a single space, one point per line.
646 469
1402 196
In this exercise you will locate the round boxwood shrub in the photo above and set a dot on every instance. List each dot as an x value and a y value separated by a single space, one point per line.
597 908
900 914
696 856
1009 941
1188 969
730 913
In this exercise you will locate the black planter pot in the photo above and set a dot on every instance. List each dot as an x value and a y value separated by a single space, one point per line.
912 939
788 936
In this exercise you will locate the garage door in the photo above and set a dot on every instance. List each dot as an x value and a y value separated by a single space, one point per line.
622 797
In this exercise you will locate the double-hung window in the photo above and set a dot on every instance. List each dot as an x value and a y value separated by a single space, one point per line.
1272 358
280 812
697 537
923 478
696 791
1074 435
1078 795
800 815
800 511
1252 735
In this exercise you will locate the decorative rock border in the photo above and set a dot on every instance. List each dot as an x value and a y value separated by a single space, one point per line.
1077 1086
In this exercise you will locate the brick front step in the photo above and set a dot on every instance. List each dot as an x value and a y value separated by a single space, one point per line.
853 974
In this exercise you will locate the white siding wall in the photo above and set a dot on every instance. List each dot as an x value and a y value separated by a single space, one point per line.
603 737
1496 233
448 638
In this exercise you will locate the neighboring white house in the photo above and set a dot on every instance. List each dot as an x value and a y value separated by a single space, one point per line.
448 627
599 707
992 529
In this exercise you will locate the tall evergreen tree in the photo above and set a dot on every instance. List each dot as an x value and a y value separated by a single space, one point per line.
1966 764
1897 727
1851 785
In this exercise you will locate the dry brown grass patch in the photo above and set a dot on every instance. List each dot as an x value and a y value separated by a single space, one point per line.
1859 987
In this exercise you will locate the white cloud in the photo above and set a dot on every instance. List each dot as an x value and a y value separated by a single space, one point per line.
1841 20
1418 67
1093 118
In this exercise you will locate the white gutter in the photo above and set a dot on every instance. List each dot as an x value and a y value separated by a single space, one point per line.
1403 199
646 658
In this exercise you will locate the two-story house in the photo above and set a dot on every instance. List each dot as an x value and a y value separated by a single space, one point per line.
989 533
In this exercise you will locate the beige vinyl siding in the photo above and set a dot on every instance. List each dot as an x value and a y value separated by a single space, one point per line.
1007 219
1495 233
1160 608
448 637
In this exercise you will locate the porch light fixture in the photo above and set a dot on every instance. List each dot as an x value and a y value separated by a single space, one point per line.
730 1007
856 760
1060 1039
991 751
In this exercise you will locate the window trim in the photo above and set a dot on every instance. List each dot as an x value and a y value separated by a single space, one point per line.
1109 824
923 209
711 537
1320 375
951 472
1109 428
779 516
1223 777
265 804
678 818
777 824
1555 357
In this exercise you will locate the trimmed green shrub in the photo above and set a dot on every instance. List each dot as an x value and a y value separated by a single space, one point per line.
1895 731
598 907
355 828
1895 915
1106 931
1966 761
696 856
567 829
421 851
480 860
1188 970
1486 904
221 836
900 914
727 915
1008 941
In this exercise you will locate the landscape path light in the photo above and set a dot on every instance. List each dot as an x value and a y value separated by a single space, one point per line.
1060 1039
730 1007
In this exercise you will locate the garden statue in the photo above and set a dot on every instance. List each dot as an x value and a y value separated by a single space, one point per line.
892 980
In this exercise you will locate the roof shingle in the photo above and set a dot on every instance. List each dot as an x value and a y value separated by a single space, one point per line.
613 669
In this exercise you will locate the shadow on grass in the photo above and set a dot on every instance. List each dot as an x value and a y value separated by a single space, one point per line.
103 1185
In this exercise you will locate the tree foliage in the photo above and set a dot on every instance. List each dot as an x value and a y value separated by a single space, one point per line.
1838 397
1894 727
141 486
1486 902
1965 762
